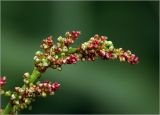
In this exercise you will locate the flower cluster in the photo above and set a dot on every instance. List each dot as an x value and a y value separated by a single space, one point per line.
99 46
70 37
22 97
55 55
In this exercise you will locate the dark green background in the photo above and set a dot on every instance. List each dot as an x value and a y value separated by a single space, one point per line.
87 87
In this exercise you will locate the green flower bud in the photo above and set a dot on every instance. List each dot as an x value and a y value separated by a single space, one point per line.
122 59
26 75
26 81
1 92
60 39
59 68
38 53
129 52
45 64
8 93
109 43
56 56
13 96
27 101
44 94
20 97
22 107
17 102
62 54
111 48
58 45
65 49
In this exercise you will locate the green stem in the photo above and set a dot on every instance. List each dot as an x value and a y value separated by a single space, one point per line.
7 109
35 74
72 50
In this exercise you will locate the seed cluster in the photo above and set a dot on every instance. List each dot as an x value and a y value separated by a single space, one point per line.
55 55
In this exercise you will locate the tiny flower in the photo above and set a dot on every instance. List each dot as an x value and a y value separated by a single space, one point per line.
111 48
108 55
27 101
133 59
38 53
26 75
8 93
109 43
122 58
102 53
17 102
44 94
59 68
56 56
2 81
60 39
75 34
72 59
55 86
47 43
20 97
103 38
13 96
45 64
65 49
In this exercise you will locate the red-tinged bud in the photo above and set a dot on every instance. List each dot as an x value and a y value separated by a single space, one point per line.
133 59
108 55
72 59
75 34
47 43
102 53
103 38
94 44
55 86
2 81
57 50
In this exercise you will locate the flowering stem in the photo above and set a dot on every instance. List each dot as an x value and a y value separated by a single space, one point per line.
54 56
34 76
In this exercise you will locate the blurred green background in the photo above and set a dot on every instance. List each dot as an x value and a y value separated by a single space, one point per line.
87 87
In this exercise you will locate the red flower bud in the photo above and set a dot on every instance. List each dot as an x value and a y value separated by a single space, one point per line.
2 81
55 86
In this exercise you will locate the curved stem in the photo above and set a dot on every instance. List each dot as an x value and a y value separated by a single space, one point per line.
35 74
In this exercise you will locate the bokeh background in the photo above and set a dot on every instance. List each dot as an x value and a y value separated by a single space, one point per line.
87 87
